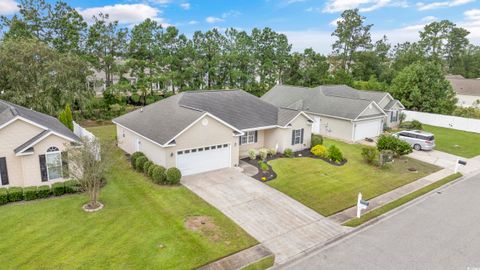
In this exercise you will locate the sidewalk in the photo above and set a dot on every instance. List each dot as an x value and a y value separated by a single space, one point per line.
240 259
395 194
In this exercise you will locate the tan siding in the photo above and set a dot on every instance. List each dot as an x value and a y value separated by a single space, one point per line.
384 102
371 110
281 138
199 135
244 148
25 170
335 128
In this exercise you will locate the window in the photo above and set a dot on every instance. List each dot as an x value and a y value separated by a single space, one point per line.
180 153
248 137
393 116
53 159
297 136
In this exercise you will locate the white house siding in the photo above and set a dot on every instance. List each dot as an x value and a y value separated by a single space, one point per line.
244 148
371 110
392 124
335 128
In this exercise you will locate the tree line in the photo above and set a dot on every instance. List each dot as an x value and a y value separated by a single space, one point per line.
48 51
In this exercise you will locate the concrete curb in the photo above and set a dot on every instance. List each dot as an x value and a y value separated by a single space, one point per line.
373 221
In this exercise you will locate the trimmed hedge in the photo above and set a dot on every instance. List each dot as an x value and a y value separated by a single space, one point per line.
29 193
173 176
3 196
71 186
159 176
43 192
150 170
316 140
133 158
139 162
15 194
58 189
146 166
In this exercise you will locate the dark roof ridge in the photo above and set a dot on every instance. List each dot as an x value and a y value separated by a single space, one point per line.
208 91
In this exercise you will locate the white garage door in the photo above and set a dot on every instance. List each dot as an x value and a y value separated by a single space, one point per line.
367 129
203 159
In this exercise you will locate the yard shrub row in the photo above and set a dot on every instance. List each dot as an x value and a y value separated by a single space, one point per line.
15 194
157 173
389 142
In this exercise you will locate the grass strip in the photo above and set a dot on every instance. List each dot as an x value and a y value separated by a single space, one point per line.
262 264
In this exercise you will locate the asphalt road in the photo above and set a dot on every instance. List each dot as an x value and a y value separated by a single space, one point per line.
441 231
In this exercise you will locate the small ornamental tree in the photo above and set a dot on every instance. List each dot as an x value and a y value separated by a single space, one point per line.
88 166
66 117
334 154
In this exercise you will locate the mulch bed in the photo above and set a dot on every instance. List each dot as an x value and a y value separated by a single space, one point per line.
270 174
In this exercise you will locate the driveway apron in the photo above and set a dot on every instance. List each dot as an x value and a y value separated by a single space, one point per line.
285 226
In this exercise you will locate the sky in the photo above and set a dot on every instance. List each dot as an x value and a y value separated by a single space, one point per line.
307 23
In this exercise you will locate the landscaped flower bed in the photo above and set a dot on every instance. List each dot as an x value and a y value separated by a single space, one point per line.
269 174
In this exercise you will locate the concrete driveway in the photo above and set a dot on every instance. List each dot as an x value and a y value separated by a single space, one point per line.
285 226
446 160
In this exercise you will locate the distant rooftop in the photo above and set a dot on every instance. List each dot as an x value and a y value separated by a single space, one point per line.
463 86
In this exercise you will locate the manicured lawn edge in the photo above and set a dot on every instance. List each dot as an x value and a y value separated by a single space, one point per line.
261 264
403 200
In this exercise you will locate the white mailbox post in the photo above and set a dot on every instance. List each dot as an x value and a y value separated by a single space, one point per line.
361 205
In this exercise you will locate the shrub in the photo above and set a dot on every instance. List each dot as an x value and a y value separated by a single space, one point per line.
288 153
139 162
412 125
159 176
146 166
271 152
319 150
334 154
263 153
252 154
15 194
316 140
388 142
29 193
173 176
3 196
369 154
263 166
43 192
150 170
71 186
134 156
58 189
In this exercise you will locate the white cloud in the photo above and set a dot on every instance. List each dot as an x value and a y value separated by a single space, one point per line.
429 19
434 5
185 6
123 13
8 7
161 2
193 22
472 24
335 22
472 14
211 19
333 6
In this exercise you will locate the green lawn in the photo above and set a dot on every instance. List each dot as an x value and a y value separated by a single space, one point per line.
141 227
329 189
457 142
403 200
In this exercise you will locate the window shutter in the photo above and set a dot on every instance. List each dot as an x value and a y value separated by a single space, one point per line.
293 137
65 170
3 171
240 140
43 168
256 136
301 137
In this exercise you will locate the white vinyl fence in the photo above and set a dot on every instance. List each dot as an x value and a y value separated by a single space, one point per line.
447 121
85 134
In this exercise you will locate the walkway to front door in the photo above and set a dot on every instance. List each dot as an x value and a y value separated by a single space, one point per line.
285 226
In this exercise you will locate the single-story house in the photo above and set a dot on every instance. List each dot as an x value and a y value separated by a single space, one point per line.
340 111
467 90
32 147
198 131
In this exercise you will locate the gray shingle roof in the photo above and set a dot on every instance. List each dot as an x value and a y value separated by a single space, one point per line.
316 101
8 111
462 86
163 120
348 92
32 140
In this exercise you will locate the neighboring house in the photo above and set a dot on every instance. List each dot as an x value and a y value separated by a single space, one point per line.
467 90
32 147
340 111
199 131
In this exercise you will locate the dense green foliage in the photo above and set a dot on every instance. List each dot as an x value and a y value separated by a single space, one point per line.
412 125
159 176
139 162
369 154
319 151
316 140
288 153
44 191
263 165
66 117
146 166
392 143
3 196
334 154
29 193
15 194
133 158
173 176
58 189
